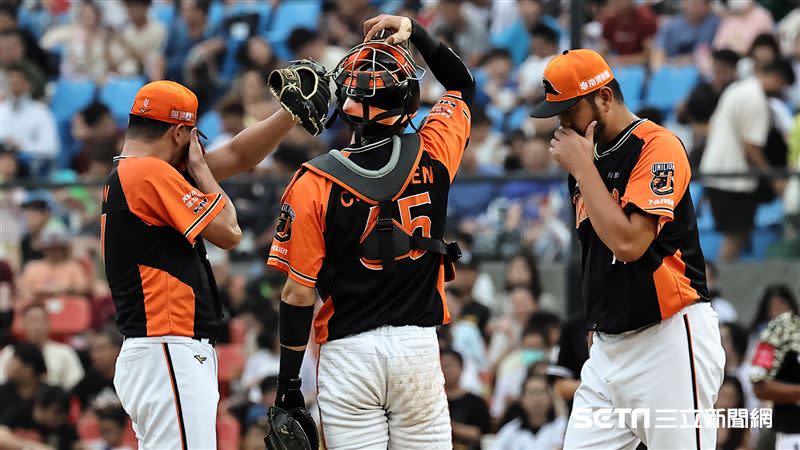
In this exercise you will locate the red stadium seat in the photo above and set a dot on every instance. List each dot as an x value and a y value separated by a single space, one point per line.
228 432
88 427
231 361
68 316
238 330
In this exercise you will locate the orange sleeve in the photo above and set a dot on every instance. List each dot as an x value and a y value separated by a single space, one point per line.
298 247
160 196
659 179
446 131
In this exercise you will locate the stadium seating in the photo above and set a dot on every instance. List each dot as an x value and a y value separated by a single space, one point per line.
68 316
669 85
88 428
287 16
163 12
70 97
228 432
118 94
210 124
631 81
238 330
231 361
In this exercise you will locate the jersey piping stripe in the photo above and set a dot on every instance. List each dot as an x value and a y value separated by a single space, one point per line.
202 216
694 376
659 208
286 263
176 394
621 141
453 96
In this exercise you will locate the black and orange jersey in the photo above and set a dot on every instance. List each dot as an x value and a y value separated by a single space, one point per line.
156 265
646 170
322 225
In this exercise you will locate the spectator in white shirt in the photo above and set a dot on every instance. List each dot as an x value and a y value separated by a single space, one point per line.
538 425
737 136
144 38
27 125
544 45
64 368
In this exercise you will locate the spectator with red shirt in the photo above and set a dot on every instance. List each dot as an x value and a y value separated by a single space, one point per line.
628 33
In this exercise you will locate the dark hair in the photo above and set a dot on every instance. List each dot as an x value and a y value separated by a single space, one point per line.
541 322
652 114
147 3
726 56
52 396
31 356
738 338
495 53
479 116
782 68
110 332
202 5
515 409
112 413
11 32
774 290
268 383
736 435
94 112
615 88
545 32
300 37
230 106
765 40
454 354
9 10
535 285
18 68
146 129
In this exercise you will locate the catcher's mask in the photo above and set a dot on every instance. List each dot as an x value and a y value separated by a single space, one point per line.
377 87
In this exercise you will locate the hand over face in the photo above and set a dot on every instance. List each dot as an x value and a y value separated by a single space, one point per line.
572 151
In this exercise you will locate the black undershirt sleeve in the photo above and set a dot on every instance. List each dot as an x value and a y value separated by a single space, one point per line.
445 65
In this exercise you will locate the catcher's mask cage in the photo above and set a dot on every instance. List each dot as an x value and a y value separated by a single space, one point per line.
384 79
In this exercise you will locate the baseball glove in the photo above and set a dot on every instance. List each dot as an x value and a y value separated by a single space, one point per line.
303 90
292 429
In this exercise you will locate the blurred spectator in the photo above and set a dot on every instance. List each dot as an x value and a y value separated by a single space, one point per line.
57 273
516 38
46 421
486 142
37 215
12 54
64 368
98 382
95 121
469 200
467 340
468 270
775 374
702 100
89 49
497 88
11 168
680 37
734 342
730 397
628 33
544 46
532 347
724 309
251 87
32 131
253 436
6 302
539 425
745 19
567 358
507 330
789 29
764 50
33 52
306 43
344 23
192 41
145 39
737 138
268 390
95 158
231 114
469 414
264 362
256 54
470 38
776 300
26 373
112 423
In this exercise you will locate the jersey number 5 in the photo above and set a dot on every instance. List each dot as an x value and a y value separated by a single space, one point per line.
409 223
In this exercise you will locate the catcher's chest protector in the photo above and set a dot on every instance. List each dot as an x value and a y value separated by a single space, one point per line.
382 187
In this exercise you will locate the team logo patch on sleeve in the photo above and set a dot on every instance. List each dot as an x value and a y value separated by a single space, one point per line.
283 232
663 182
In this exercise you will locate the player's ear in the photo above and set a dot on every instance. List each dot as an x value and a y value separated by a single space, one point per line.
604 98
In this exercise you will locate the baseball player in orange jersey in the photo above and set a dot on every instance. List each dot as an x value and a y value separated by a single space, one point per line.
364 227
154 220
656 346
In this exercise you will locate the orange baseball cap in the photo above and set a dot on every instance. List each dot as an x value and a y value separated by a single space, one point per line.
568 77
167 101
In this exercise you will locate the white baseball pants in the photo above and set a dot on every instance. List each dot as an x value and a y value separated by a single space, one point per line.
168 386
382 389
666 371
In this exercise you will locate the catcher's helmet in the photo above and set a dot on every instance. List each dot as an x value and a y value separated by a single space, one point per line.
377 87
